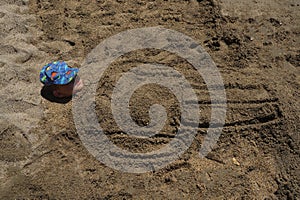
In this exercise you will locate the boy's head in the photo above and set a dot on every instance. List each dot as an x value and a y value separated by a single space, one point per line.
61 79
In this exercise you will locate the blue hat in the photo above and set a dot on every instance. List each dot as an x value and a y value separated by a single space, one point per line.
58 73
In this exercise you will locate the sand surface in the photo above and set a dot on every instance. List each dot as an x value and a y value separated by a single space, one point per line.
255 45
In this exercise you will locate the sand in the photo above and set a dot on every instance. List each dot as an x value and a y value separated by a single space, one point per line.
255 45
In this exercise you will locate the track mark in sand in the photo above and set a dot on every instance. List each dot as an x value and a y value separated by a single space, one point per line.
247 105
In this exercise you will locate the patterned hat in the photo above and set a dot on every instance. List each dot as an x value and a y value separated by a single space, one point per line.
58 73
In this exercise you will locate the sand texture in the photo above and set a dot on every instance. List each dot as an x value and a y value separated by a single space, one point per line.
255 45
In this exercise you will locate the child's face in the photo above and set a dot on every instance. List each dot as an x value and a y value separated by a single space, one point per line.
67 90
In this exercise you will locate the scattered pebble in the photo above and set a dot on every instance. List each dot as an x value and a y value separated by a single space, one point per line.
170 179
234 160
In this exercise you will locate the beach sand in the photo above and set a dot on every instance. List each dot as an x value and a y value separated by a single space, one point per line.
255 45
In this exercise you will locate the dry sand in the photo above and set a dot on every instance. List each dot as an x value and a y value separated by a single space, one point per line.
254 43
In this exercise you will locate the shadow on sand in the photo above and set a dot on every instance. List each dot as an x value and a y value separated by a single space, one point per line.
47 94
